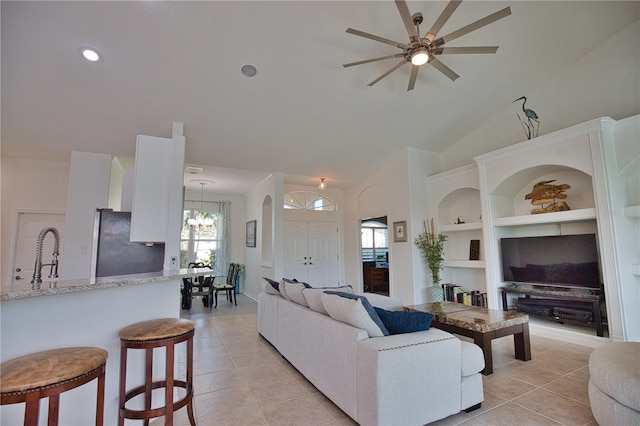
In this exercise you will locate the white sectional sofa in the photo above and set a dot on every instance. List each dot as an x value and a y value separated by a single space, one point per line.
402 379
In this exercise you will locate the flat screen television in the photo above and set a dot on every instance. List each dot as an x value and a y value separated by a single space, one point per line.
561 260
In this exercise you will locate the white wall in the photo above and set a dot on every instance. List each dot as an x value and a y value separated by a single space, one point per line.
255 268
29 184
397 191
603 83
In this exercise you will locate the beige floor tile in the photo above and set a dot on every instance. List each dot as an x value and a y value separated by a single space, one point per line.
218 380
530 374
581 374
244 347
571 388
212 364
455 419
556 407
510 414
505 387
490 402
249 359
271 391
224 403
248 418
305 410
271 370
549 362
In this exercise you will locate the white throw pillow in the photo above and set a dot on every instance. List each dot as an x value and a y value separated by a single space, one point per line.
354 310
283 289
314 299
294 292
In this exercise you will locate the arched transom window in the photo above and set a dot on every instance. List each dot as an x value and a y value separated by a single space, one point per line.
307 200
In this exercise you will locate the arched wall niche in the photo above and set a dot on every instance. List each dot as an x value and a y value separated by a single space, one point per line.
508 198
266 232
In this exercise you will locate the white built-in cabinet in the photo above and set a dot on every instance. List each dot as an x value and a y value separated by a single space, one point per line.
489 197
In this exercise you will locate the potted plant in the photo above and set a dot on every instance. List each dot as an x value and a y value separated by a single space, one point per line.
431 246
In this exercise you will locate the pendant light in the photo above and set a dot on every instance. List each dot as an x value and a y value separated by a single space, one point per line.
323 184
200 220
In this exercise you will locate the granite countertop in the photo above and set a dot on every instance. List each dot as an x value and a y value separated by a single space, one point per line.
471 317
49 288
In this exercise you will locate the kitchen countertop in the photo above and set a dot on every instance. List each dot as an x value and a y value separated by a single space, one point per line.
49 288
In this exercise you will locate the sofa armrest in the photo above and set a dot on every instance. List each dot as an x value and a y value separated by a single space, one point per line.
409 379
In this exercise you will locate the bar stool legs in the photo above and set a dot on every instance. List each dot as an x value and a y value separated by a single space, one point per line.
47 374
147 335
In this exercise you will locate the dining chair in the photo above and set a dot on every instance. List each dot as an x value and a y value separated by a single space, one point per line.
228 286
201 285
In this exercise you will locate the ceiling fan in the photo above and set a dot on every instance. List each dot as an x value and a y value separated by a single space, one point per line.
423 50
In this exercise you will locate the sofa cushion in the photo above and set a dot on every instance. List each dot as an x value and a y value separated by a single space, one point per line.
272 287
294 292
353 310
314 296
398 322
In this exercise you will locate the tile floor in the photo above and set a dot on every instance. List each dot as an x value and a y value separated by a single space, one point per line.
240 379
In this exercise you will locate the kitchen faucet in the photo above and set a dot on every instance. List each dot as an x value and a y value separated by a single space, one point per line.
37 270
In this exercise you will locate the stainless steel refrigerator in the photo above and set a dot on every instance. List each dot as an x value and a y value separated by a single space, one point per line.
114 254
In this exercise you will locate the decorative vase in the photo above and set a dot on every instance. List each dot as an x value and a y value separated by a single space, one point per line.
435 293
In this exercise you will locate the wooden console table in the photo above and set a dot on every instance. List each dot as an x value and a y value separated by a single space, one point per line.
481 324
589 300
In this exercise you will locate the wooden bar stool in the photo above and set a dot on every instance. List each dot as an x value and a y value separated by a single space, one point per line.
147 335
47 374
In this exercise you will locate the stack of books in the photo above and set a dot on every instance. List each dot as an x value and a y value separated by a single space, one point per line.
457 294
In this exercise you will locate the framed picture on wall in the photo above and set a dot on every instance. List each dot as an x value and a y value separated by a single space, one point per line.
400 232
251 233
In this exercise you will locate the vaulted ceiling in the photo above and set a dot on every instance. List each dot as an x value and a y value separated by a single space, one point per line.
302 113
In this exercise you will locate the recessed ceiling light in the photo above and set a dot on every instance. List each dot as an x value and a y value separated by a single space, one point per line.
91 55
249 70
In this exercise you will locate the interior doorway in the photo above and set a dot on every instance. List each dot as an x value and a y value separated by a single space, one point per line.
375 255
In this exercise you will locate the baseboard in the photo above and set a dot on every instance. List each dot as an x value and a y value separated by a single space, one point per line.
567 335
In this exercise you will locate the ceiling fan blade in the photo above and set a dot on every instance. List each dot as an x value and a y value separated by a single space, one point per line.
414 75
473 49
474 26
444 69
442 19
366 61
406 18
376 38
395 67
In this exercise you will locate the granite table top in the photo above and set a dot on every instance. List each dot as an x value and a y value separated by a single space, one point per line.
49 288
470 317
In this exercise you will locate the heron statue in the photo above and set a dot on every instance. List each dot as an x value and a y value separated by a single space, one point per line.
529 127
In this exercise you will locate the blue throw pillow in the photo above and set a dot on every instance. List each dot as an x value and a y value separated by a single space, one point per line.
398 322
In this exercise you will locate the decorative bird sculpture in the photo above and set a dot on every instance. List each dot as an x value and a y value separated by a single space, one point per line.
529 127
543 193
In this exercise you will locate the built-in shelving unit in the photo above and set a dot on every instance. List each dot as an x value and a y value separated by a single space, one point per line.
487 201
456 195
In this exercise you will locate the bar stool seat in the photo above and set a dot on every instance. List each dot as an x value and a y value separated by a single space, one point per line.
147 335
47 374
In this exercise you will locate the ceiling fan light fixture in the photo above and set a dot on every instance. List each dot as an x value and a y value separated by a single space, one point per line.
420 57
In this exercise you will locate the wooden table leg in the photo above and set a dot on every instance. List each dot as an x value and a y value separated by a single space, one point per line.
522 344
484 341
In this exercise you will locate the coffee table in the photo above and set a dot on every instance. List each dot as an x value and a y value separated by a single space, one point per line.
481 324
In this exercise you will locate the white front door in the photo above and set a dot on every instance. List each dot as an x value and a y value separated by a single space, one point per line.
311 252
29 227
